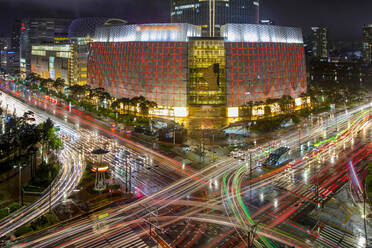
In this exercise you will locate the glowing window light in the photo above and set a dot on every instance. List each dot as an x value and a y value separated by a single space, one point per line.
275 108
233 112
258 110
298 101
180 112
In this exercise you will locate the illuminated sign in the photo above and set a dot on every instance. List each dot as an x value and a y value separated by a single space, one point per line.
161 112
157 27
56 48
102 169
102 216
51 68
188 6
146 32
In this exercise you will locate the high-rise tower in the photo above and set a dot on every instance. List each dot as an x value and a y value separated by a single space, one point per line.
40 31
320 42
212 14
367 44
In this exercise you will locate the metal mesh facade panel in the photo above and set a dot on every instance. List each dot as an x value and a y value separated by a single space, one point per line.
259 71
146 32
155 70
261 33
83 27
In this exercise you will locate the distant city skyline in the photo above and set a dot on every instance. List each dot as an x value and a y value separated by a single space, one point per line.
344 22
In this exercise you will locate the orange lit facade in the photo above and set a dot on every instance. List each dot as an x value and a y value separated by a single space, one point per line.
198 76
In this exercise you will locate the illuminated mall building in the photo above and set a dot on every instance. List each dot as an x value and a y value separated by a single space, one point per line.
198 77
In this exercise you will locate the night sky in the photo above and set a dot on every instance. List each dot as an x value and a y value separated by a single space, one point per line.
343 17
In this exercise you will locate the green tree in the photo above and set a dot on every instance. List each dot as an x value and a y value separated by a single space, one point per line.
14 207
23 230
46 131
78 91
59 84
267 111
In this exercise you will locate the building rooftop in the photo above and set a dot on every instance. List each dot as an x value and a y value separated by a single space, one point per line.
146 32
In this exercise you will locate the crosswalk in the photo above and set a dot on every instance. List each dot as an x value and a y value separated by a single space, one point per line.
306 191
125 239
331 237
128 240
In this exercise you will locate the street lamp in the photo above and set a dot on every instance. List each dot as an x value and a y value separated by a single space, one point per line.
248 94
364 210
20 195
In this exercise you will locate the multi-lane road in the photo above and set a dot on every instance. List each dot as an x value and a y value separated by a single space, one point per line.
225 193
67 179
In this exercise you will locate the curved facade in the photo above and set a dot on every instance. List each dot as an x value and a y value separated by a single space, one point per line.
263 62
86 27
147 60
212 14
146 32
203 75
155 70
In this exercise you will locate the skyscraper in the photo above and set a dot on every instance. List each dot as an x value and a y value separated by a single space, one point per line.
320 42
212 14
367 44
4 46
12 55
38 31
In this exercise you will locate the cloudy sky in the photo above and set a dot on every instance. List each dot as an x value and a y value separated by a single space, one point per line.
344 17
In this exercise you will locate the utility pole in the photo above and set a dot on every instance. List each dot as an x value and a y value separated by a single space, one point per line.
50 197
250 165
250 171
174 134
130 178
336 120
212 146
20 184
203 145
156 214
200 150
126 174
364 213
318 203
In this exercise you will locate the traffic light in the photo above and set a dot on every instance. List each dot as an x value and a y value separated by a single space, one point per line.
318 205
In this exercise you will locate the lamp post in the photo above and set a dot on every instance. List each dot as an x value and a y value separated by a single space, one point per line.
364 212
212 146
249 94
155 213
20 195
